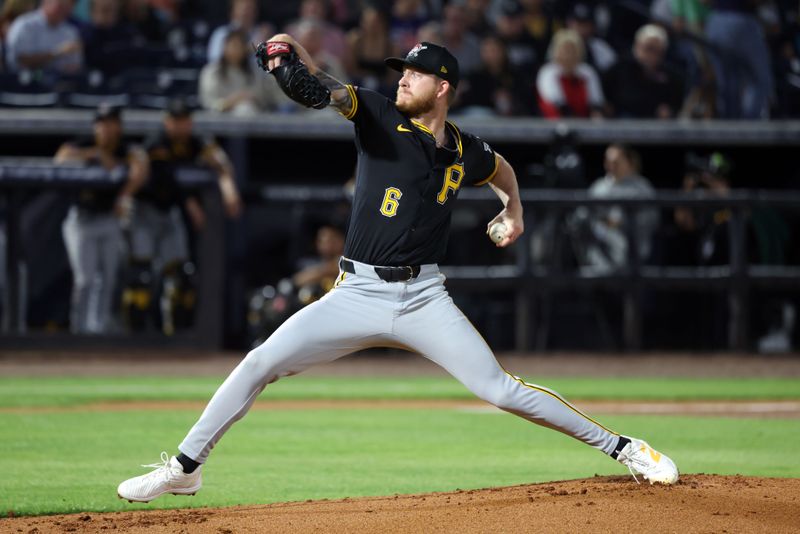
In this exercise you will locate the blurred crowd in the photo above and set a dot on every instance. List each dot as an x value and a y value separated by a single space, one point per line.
130 249
568 58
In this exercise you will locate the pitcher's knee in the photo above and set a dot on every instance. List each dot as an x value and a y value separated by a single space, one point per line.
267 362
258 363
497 395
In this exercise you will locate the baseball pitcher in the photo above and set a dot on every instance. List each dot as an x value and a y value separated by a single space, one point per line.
412 163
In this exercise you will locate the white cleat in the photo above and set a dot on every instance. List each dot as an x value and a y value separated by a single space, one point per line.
168 477
641 458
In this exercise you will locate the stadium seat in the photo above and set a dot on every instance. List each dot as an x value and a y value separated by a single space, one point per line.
92 89
152 89
23 89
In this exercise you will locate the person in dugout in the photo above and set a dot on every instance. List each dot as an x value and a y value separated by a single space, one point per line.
160 266
92 229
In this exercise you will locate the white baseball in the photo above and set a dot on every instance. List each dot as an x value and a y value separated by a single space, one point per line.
497 232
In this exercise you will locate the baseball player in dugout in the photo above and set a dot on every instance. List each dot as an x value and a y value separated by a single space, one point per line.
412 163
93 227
160 256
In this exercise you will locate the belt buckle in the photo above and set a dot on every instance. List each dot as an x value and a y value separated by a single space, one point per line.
410 272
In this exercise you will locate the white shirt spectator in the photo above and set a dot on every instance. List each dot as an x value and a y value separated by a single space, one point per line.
31 34
256 93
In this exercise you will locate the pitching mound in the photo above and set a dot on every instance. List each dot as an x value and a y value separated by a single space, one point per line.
698 503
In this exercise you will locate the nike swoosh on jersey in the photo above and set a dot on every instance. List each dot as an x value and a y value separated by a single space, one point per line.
401 128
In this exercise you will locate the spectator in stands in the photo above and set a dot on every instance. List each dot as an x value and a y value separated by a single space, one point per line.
105 36
599 53
368 45
641 86
317 11
10 11
231 85
140 15
318 274
92 231
475 13
688 17
458 40
159 241
601 233
541 22
270 307
705 233
407 17
524 52
244 17
742 64
43 40
568 87
311 35
495 88
430 32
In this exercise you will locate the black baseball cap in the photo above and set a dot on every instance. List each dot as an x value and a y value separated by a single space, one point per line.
430 58
178 108
107 111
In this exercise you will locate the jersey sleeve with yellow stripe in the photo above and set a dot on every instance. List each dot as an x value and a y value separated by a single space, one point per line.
367 107
491 175
481 162
354 103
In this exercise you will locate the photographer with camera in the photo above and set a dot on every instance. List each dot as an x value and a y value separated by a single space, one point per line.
709 228
708 234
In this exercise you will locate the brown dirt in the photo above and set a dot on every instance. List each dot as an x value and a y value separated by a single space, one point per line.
387 363
739 409
698 503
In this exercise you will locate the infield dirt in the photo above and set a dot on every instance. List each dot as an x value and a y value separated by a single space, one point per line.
698 503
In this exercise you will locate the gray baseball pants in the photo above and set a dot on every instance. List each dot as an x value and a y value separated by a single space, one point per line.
158 236
363 311
94 248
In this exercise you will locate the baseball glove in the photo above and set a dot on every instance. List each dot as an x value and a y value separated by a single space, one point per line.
292 75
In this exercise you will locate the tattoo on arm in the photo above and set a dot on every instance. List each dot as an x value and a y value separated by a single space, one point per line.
340 96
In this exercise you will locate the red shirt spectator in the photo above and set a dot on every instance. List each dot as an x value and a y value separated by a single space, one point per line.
568 87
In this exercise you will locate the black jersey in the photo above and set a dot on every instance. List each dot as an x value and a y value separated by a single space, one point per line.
99 199
405 185
162 189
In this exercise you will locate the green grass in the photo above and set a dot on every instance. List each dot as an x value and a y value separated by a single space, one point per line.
70 391
57 462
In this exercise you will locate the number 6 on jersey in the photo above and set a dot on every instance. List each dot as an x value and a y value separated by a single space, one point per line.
391 200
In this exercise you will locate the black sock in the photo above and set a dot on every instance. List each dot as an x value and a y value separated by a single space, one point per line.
188 464
620 445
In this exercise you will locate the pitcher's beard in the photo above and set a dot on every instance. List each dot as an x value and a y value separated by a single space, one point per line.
417 106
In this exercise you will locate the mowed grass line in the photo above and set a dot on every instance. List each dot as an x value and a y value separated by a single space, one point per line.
71 462
71 391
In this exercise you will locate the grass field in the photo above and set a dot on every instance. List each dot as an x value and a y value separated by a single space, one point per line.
71 391
69 461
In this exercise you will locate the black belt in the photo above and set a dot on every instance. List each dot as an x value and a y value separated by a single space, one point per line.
387 274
